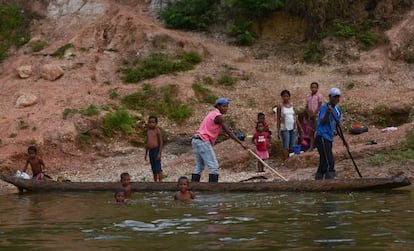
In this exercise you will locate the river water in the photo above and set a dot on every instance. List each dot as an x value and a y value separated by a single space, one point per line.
213 221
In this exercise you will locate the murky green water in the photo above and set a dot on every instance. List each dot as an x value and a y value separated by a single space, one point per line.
217 221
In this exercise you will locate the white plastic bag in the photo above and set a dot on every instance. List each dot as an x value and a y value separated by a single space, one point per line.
22 175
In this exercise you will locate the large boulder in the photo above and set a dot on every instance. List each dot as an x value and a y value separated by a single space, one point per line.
51 72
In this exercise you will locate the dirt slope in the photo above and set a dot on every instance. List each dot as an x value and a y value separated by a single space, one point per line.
104 33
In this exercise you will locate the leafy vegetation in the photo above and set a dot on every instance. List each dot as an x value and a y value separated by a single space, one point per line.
38 46
121 120
313 53
190 14
161 100
239 14
69 112
227 80
158 63
403 153
82 141
91 110
113 94
60 52
204 94
14 28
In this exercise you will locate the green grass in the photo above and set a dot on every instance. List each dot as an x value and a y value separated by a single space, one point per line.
69 112
121 121
82 141
204 94
227 80
60 52
113 94
13 135
91 110
377 160
38 46
314 53
14 28
161 100
157 64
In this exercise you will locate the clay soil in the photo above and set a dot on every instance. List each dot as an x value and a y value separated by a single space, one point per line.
127 29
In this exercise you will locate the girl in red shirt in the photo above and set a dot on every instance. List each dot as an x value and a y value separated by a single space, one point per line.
261 140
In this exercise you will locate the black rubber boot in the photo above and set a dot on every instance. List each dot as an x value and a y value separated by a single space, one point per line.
213 177
195 177
330 175
319 176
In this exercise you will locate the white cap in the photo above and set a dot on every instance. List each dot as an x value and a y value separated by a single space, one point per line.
334 92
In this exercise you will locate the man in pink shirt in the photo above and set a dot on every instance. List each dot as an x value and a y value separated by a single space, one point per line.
206 136
313 104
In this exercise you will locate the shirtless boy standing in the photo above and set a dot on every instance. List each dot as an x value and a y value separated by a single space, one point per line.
154 145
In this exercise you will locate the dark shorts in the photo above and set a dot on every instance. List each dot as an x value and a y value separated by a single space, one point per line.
155 162
313 122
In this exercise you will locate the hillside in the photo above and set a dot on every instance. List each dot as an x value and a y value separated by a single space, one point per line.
104 34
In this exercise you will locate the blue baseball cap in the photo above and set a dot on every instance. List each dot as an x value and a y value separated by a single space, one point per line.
222 101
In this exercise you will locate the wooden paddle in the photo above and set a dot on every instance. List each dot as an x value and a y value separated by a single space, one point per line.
341 135
266 165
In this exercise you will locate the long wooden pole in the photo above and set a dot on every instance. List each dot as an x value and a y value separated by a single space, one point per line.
265 164
341 135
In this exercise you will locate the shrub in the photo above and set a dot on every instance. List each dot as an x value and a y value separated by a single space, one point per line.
343 30
368 38
190 14
14 28
90 111
159 101
313 53
158 63
69 112
227 80
243 32
120 120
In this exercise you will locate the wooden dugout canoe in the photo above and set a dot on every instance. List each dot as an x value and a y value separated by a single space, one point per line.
362 184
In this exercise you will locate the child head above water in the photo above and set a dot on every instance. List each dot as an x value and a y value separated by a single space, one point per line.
120 195
125 179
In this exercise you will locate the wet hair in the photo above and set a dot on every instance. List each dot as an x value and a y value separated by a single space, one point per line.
285 92
183 178
314 83
32 149
153 117
118 191
124 175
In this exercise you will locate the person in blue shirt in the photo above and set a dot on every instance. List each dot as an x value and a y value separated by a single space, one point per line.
329 119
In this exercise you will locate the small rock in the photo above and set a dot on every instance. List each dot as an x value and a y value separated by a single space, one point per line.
24 71
26 100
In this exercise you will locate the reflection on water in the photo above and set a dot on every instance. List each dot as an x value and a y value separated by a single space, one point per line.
220 221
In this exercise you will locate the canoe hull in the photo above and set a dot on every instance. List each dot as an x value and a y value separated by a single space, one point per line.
363 184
